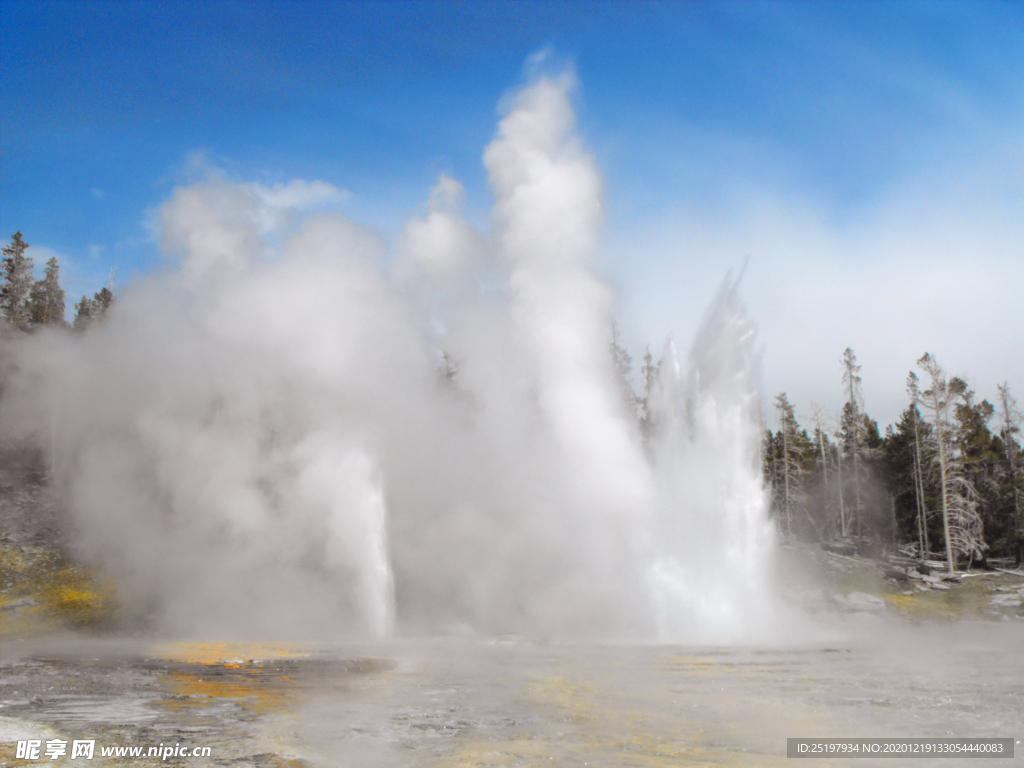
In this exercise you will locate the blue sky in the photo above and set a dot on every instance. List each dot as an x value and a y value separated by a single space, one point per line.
848 148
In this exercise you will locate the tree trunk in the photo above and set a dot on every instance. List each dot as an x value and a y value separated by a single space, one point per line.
945 495
785 472
856 490
922 523
842 506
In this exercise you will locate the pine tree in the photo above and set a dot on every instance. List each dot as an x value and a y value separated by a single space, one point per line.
768 460
623 365
88 311
1013 467
103 300
981 453
826 476
85 310
645 413
46 301
903 471
17 282
961 523
791 449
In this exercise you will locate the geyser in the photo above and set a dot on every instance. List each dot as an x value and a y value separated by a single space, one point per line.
282 435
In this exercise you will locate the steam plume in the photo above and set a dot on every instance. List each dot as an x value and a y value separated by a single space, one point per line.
280 436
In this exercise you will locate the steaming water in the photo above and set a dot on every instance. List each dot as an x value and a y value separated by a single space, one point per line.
278 434
712 580
462 703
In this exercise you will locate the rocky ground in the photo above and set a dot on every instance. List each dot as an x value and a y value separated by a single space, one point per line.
42 588
902 588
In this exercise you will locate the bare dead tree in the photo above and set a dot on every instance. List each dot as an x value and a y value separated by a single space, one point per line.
844 519
852 420
914 390
961 523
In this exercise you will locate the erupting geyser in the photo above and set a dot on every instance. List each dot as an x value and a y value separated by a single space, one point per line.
283 435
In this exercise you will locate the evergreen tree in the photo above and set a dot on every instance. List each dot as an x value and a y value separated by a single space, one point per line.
1013 483
768 461
46 300
103 300
85 310
790 479
981 453
88 311
623 365
17 282
826 491
879 511
903 469
650 371
961 523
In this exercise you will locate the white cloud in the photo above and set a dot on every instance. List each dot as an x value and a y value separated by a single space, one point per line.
301 195
936 265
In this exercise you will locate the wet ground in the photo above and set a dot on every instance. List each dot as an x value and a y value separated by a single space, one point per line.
478 702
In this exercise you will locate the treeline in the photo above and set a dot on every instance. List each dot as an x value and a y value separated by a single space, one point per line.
27 303
946 480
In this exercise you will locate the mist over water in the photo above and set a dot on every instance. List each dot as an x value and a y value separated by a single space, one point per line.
294 432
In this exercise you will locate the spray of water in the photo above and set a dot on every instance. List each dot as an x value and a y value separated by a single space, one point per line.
711 577
279 435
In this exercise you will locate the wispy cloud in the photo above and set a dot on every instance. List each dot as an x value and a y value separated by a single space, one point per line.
934 265
301 195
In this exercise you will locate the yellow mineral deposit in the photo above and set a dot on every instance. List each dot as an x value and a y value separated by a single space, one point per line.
54 593
248 674
234 655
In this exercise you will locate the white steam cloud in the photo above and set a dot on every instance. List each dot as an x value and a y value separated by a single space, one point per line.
281 436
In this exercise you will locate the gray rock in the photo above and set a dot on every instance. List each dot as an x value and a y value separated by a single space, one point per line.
862 601
24 602
1011 600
